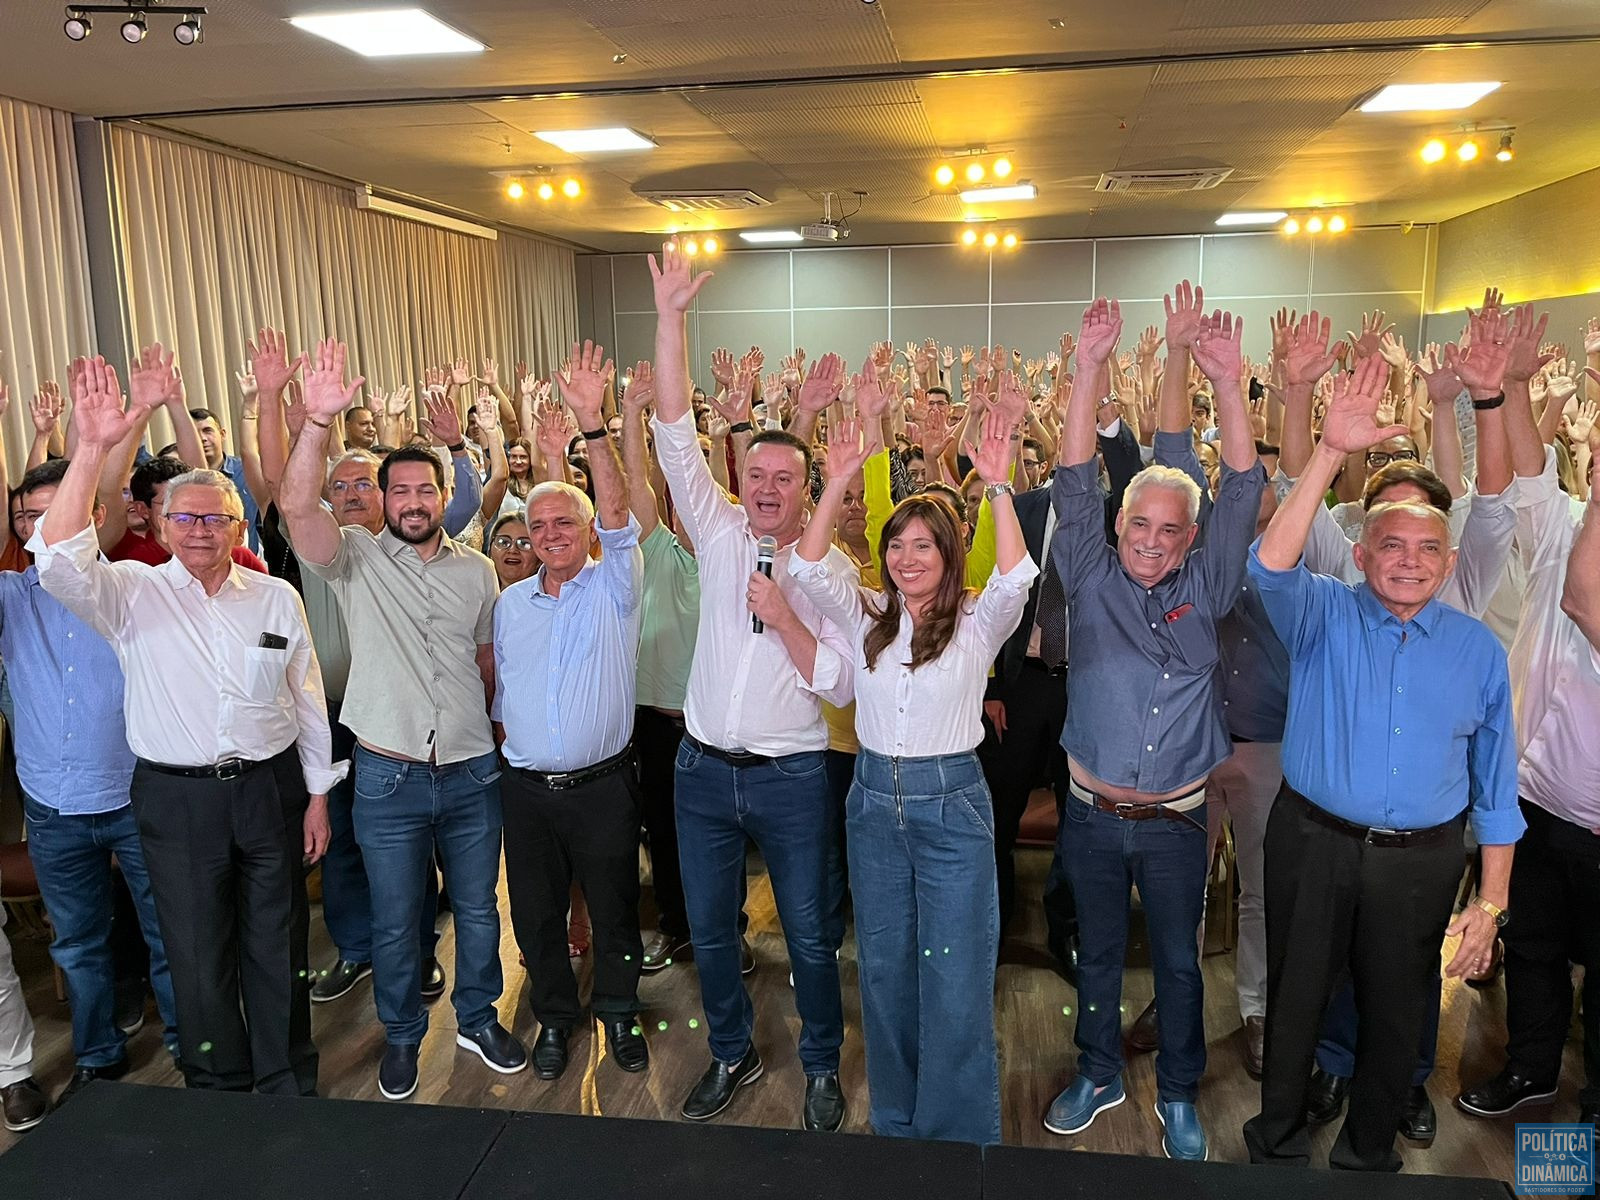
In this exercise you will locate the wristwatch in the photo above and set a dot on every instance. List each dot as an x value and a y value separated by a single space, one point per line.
998 489
594 435
1494 401
1499 915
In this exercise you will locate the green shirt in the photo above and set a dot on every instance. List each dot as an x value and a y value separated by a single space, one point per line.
669 618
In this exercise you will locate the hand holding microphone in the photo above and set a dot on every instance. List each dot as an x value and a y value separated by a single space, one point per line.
766 550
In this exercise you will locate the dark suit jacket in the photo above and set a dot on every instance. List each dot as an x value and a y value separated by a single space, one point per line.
1121 454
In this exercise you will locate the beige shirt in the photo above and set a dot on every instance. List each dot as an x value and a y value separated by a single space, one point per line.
414 629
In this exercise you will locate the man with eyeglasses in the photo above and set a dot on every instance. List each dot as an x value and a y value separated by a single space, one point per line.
571 794
224 706
356 502
148 489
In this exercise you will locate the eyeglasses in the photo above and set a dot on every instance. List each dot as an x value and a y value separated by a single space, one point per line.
1379 458
341 486
217 521
503 542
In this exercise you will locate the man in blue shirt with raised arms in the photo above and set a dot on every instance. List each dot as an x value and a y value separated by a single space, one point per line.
1399 731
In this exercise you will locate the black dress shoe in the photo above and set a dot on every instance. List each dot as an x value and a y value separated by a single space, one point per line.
1325 1096
397 1073
338 980
824 1108
1419 1123
498 1049
550 1053
24 1104
1500 1095
627 1043
432 980
716 1087
84 1076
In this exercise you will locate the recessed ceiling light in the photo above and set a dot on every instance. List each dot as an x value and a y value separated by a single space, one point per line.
388 32
1428 97
1251 218
593 141
770 237
995 195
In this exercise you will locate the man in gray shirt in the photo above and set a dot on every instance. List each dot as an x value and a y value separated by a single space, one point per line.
421 676
1148 729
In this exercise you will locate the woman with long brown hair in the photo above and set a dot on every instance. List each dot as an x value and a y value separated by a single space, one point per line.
919 819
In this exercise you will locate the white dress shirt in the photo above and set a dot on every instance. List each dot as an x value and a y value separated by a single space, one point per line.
564 666
938 708
199 686
744 691
1555 672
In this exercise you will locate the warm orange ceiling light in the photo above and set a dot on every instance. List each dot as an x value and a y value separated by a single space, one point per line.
975 172
1002 168
515 190
1432 151
546 191
969 237
945 175
572 189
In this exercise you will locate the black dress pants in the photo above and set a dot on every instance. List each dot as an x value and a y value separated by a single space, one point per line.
1013 764
1555 921
1333 904
225 860
655 742
591 833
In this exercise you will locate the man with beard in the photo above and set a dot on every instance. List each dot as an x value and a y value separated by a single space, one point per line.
421 675
357 502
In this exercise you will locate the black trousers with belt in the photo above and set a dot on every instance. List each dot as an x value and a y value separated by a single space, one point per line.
225 860
591 833
1333 903
1013 764
1555 921
655 741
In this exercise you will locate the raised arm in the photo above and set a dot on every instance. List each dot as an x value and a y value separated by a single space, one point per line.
1348 428
820 389
1514 352
45 412
1580 597
250 439
102 424
991 458
675 291
1184 309
312 527
1306 359
487 417
583 386
1102 325
642 498
1218 348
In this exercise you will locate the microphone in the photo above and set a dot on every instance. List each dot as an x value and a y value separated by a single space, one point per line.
765 549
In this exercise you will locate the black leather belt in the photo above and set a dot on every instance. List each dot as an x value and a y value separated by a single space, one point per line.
1044 668
560 781
228 768
1383 839
734 758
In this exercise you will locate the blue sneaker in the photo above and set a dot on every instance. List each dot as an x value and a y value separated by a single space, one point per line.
1183 1137
1077 1107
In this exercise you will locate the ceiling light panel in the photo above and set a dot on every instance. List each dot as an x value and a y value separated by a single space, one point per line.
1428 97
996 195
594 141
388 33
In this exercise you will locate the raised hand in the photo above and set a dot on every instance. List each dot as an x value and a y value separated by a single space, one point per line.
1480 363
1563 382
722 366
882 359
1306 357
46 407
642 391
250 393
1149 342
1282 325
967 353
1184 308
674 281
294 409
1218 348
527 386
1350 424
872 396
461 372
1581 425
152 379
1371 336
992 453
1523 359
490 375
1010 404
583 382
443 423
1591 336
1392 348
1102 326
270 363
97 411
947 359
556 431
850 445
399 401
752 362
823 384
326 393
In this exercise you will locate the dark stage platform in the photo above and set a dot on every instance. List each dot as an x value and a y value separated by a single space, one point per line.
118 1140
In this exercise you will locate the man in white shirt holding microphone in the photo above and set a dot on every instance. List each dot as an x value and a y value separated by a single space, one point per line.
225 712
751 763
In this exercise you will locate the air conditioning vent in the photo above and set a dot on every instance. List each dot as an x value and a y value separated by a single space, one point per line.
1183 180
722 200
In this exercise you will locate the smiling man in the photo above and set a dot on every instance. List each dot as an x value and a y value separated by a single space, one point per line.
566 647
1399 730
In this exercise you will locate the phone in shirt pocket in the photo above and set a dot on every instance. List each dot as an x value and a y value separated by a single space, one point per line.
1194 635
265 664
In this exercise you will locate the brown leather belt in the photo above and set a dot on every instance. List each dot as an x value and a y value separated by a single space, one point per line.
1178 808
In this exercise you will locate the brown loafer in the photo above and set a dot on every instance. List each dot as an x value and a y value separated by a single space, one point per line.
1255 1045
1144 1035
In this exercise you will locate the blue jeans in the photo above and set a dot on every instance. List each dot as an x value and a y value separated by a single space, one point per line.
922 870
71 855
346 898
1336 1048
783 805
402 811
1166 858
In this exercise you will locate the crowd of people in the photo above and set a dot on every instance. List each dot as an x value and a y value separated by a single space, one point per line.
1344 602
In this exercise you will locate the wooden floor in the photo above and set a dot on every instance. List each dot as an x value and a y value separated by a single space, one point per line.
1035 1037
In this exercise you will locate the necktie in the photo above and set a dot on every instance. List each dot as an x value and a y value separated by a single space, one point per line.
1051 617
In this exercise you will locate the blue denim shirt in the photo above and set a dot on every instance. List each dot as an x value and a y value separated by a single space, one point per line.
72 746
1397 726
233 468
1144 660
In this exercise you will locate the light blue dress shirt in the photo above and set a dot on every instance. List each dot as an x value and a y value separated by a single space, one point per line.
565 665
72 745
1391 725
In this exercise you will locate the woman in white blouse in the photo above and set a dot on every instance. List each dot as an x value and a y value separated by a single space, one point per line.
919 819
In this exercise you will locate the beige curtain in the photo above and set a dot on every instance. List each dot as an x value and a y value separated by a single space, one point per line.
46 318
215 246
